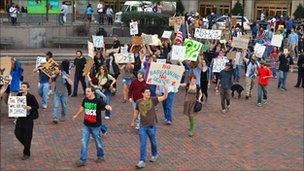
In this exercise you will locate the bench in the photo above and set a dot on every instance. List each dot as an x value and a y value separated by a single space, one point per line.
7 41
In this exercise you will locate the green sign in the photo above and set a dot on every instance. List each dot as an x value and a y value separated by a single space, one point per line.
39 6
193 48
205 47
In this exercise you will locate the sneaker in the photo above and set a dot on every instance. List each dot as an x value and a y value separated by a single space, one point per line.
107 117
259 105
80 163
99 160
224 111
264 101
25 157
190 133
296 86
55 122
168 122
141 164
50 92
228 107
154 158
62 119
282 89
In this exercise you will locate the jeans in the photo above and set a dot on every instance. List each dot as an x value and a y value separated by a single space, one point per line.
262 93
43 91
100 19
152 90
60 19
274 71
237 72
60 98
95 132
127 81
225 97
282 79
167 106
76 81
108 100
103 128
100 94
145 132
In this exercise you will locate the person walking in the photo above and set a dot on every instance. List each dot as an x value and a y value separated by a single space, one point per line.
100 11
60 78
145 107
285 61
79 63
92 107
89 12
225 86
264 73
251 74
300 64
110 14
13 11
168 104
126 79
24 125
43 86
63 13
203 65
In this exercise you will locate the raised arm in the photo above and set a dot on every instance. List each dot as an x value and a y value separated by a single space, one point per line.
164 96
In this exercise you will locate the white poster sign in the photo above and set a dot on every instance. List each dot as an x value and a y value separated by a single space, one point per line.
124 58
277 40
207 34
90 49
16 106
167 34
98 41
259 50
124 49
161 61
40 60
133 28
219 64
178 52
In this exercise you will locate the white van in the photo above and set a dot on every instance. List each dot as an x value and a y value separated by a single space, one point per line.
146 6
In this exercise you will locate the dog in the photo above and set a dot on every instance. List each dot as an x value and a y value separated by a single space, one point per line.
238 88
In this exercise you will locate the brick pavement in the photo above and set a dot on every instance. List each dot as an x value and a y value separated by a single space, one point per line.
247 138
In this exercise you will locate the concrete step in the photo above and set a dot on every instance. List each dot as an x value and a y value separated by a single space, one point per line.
30 58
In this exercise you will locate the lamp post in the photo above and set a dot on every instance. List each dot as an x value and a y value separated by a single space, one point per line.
243 11
218 7
47 10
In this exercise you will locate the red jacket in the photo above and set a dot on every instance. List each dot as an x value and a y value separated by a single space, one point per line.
263 72
135 89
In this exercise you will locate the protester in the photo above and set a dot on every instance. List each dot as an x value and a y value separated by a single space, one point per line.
110 14
285 61
89 13
92 107
300 78
251 74
43 86
264 73
112 68
79 63
63 13
293 40
238 62
17 77
274 57
225 86
116 42
126 79
203 65
168 104
145 107
13 11
100 11
24 125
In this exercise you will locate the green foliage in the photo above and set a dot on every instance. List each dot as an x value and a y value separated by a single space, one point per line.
299 12
237 9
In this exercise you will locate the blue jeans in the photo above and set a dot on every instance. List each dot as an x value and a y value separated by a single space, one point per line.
152 90
43 91
145 132
262 93
127 81
282 79
76 81
237 72
95 132
103 128
60 98
108 100
274 71
167 106
100 94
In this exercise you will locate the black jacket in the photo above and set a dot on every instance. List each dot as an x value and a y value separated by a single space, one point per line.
301 61
115 67
32 102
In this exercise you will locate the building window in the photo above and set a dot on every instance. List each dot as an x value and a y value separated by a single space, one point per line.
208 6
115 4
272 8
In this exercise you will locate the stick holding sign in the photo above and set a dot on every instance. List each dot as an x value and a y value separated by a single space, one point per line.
124 58
167 34
178 53
240 43
90 49
259 50
207 34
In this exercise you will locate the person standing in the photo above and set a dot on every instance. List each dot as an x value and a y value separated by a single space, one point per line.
264 73
145 107
100 11
60 93
225 86
16 73
126 79
300 64
285 61
24 125
13 11
92 107
89 12
238 61
203 65
251 74
79 63
63 13
112 68
43 86
168 104
293 40
110 14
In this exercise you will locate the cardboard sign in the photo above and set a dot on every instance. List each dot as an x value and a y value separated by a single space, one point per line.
133 28
88 66
40 60
137 40
240 43
98 41
178 53
161 61
259 50
165 74
16 106
167 34
176 21
277 40
226 35
193 48
124 58
5 68
90 49
233 21
49 67
219 64
207 34
231 55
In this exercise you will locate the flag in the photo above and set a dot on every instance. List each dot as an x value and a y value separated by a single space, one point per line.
181 34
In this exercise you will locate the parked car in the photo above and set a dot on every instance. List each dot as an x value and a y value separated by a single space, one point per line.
220 23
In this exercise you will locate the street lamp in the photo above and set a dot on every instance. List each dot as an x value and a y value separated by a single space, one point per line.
243 11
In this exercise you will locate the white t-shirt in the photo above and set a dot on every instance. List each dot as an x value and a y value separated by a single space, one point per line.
64 9
13 12
99 8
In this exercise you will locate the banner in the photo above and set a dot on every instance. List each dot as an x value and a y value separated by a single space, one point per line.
98 41
40 60
193 48
173 21
277 40
88 66
39 6
167 34
133 28
124 58
16 106
240 43
178 53
49 67
90 49
259 50
5 68
207 34
165 74
137 40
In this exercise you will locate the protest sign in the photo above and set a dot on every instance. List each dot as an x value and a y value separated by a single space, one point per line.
90 49
161 61
16 106
178 53
40 60
277 40
240 43
133 28
219 64
167 34
5 68
231 55
148 38
173 21
207 34
205 47
124 49
233 21
124 58
165 74
137 40
88 66
226 35
259 50
98 41
49 67
193 48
